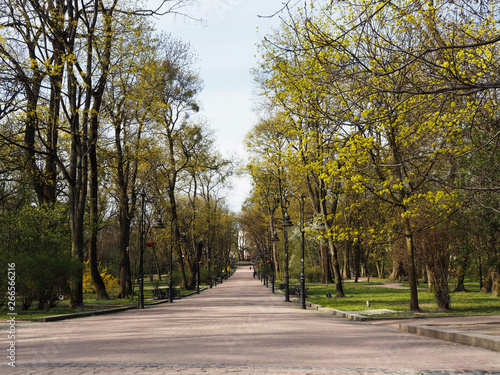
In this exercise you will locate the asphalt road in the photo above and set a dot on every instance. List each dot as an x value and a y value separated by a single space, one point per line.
238 327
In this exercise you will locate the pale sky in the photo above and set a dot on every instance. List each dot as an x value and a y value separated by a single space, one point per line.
226 48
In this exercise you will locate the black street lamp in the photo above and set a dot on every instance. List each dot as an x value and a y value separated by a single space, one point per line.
158 224
274 238
302 266
214 273
143 243
288 223
285 224
265 266
141 255
198 276
209 267
183 239
302 273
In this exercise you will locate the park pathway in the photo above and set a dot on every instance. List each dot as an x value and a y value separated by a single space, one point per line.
238 327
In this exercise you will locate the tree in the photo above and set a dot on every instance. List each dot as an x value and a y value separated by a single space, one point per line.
293 81
60 55
269 173
26 65
208 173
350 116
126 107
174 84
443 48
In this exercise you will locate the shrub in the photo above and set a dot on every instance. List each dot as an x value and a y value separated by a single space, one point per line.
110 282
36 239
313 274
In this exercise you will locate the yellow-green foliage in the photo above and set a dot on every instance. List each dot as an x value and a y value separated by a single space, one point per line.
354 122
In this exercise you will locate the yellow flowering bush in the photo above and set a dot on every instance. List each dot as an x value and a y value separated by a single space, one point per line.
109 280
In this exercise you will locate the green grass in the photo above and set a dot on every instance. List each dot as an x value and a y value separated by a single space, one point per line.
91 304
356 295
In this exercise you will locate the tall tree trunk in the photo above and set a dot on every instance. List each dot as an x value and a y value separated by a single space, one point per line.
412 275
495 283
333 253
125 285
30 132
335 264
460 274
357 261
430 281
177 235
331 245
77 276
442 292
97 95
480 276
100 288
32 86
347 260
336 270
495 290
77 197
398 270
126 176
196 263
326 273
488 282
56 82
78 183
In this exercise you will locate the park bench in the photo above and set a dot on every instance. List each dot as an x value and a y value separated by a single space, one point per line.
162 293
293 290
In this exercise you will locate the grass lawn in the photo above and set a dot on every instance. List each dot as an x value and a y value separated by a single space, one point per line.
91 304
356 295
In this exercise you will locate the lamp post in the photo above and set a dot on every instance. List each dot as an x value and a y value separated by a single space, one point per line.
263 271
265 266
209 266
266 262
219 267
183 239
198 276
285 224
302 273
158 224
274 238
214 277
141 255
302 246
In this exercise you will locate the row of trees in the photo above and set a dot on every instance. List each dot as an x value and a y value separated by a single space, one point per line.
385 114
96 111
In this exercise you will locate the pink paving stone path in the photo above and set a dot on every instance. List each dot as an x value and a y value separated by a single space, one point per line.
238 327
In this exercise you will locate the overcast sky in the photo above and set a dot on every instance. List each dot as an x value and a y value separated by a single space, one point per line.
226 46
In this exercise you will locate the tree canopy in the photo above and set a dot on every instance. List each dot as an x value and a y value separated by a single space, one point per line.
385 111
